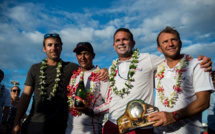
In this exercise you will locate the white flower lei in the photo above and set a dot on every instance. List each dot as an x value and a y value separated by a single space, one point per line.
42 77
131 72
169 102
71 95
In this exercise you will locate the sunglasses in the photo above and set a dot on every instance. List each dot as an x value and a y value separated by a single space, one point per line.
16 91
51 35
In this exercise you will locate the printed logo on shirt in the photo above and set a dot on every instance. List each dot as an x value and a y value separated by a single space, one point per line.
183 78
138 69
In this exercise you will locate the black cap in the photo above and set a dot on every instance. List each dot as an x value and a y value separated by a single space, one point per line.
82 45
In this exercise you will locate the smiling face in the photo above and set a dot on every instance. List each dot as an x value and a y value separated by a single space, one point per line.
15 91
169 45
123 45
85 59
52 48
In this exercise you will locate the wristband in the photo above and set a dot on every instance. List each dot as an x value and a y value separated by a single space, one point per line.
175 116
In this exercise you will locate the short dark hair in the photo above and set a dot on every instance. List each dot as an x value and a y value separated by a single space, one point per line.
2 73
169 30
53 37
124 30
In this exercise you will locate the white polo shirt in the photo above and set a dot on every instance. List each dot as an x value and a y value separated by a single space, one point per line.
143 84
194 80
84 123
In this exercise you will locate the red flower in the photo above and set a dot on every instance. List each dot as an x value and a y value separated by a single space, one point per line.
166 102
160 89
180 70
177 89
115 73
188 58
75 73
160 75
93 77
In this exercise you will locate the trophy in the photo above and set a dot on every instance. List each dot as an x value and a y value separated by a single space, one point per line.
135 116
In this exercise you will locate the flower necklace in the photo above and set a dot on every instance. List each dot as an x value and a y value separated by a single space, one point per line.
169 102
2 91
43 93
89 96
131 72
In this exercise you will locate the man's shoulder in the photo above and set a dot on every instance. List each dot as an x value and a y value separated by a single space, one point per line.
66 63
148 54
194 62
37 64
152 57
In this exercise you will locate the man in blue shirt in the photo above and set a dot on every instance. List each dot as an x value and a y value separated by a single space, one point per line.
5 104
211 109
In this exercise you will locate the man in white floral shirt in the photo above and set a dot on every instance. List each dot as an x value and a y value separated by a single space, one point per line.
87 120
182 88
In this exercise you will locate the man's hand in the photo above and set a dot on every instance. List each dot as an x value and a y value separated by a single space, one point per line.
206 63
103 74
16 129
162 118
86 109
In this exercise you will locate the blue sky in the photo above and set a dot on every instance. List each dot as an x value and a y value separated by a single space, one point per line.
24 22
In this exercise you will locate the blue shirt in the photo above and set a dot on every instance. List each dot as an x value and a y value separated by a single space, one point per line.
4 100
211 112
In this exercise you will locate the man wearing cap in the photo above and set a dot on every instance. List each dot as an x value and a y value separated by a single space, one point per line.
48 81
5 104
87 120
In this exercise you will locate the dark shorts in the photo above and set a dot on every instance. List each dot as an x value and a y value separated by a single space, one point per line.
43 128
111 128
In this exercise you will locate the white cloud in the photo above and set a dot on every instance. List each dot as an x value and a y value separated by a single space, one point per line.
203 49
105 33
22 27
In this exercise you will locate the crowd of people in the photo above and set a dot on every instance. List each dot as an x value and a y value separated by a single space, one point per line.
183 88
9 103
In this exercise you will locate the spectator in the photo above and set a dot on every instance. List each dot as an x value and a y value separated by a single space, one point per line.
5 104
211 109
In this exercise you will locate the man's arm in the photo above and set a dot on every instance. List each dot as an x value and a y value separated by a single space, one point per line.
6 106
206 63
195 107
22 107
106 93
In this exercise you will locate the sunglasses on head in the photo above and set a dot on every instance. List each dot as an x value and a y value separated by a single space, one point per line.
51 35
16 91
